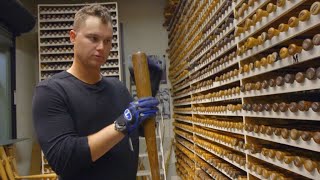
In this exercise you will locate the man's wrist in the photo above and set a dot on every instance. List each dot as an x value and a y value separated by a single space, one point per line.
120 124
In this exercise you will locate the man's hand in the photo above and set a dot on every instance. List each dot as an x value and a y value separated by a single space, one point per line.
137 112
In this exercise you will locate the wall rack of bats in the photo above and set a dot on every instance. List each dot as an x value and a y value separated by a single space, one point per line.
55 48
246 88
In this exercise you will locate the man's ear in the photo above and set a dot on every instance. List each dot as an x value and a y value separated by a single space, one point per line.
72 35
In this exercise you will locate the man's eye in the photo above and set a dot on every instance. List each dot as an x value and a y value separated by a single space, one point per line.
108 41
93 39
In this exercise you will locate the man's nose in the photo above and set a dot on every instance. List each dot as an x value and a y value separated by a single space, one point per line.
100 46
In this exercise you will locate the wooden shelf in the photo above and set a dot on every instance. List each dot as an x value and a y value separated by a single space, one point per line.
191 150
184 42
213 13
180 80
57 61
65 12
251 10
212 44
224 98
114 58
227 113
206 172
200 42
109 67
184 152
218 84
65 52
181 70
214 71
182 95
182 87
222 157
290 167
184 129
308 145
210 60
187 139
177 18
229 130
219 169
286 88
255 174
60 12
304 56
53 70
219 5
52 37
238 2
56 44
280 11
219 22
300 115
184 32
182 104
56 28
56 20
220 142
182 120
283 36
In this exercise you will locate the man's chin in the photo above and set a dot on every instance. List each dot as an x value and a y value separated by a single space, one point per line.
98 62
96 65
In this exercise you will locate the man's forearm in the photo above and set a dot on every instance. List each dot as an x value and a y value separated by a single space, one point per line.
102 141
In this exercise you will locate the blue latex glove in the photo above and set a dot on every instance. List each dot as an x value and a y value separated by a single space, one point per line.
140 110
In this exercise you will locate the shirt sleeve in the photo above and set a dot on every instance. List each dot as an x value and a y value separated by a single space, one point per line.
66 152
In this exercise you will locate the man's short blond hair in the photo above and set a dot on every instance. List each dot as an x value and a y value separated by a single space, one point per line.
91 10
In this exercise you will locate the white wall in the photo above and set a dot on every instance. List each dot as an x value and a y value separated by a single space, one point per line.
26 79
142 31
26 61
142 28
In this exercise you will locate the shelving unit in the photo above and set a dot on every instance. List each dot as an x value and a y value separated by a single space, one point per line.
289 167
56 51
308 145
54 23
207 73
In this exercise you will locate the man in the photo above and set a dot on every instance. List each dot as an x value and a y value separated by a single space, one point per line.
85 123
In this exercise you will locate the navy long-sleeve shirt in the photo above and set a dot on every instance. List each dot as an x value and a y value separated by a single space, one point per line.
67 110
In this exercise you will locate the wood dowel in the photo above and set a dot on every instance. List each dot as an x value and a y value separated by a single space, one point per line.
271 7
316 39
281 3
307 44
283 27
293 22
304 15
315 8
142 79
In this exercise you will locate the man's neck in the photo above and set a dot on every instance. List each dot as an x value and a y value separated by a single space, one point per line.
87 75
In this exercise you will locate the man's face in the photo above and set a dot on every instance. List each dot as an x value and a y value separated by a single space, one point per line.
92 42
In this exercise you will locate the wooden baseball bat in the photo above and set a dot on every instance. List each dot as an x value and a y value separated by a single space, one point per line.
142 79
